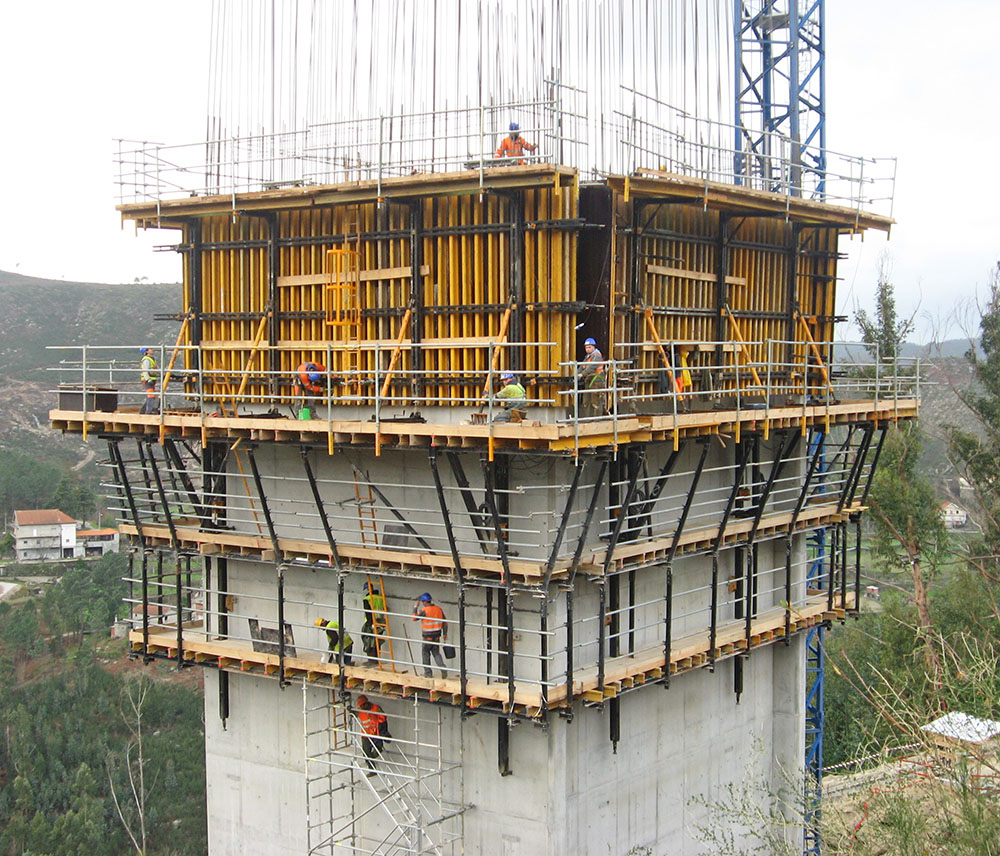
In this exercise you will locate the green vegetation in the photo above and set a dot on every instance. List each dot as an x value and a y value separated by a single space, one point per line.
71 731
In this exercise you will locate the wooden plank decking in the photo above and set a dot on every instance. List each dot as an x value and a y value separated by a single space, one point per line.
621 673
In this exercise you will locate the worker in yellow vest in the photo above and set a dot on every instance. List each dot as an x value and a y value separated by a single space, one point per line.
336 642
148 374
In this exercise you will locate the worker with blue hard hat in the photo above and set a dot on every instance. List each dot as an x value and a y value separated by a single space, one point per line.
514 145
433 632
311 378
591 379
511 399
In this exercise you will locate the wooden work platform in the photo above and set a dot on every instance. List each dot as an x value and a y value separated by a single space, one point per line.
621 674
565 437
172 212
659 184
426 565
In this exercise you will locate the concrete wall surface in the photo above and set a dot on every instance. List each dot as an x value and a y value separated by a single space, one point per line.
570 790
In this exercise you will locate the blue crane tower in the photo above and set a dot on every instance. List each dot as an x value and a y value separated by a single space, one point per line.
780 95
780 86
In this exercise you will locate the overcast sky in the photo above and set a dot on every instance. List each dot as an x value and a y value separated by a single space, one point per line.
916 81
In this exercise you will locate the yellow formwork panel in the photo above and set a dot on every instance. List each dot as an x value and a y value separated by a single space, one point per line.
463 291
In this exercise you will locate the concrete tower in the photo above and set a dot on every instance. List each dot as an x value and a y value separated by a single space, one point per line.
619 550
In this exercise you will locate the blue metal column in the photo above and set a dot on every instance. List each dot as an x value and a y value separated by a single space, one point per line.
812 840
780 87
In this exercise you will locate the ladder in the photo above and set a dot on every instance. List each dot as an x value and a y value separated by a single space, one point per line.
366 510
342 299
379 618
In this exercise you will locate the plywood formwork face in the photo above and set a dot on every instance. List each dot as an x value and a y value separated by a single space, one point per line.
452 273
734 291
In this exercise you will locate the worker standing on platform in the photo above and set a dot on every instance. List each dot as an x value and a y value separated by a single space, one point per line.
434 631
148 374
514 145
511 397
375 726
336 641
682 378
373 603
592 379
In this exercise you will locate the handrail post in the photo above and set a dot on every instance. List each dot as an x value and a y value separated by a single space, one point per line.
329 401
83 392
160 377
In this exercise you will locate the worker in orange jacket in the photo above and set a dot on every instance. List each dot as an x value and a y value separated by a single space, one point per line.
375 726
311 379
514 145
433 630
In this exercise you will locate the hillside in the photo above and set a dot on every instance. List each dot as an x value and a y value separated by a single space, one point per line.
40 313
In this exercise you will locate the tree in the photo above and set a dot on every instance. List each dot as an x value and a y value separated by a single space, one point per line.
884 334
909 533
131 807
977 453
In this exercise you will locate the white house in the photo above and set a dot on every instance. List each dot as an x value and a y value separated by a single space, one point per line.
47 535
96 542
953 515
44 534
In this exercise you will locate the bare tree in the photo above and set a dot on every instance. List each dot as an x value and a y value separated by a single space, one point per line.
133 697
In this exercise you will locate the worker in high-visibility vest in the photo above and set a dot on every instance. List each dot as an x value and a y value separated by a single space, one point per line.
592 380
433 631
336 641
514 145
682 378
373 603
148 374
511 397
375 726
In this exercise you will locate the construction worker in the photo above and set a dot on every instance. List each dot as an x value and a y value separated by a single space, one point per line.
311 379
147 375
592 378
373 603
376 729
336 641
433 630
511 397
682 377
514 145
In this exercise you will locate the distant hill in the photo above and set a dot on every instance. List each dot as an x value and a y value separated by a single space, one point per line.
42 312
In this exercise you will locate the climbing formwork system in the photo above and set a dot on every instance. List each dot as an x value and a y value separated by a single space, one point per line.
625 532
